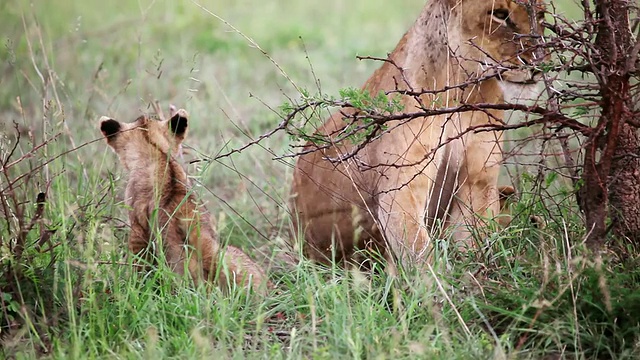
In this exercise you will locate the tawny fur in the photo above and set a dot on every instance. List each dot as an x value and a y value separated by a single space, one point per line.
161 203
340 208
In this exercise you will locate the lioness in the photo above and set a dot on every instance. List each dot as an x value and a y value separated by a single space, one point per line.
409 179
158 188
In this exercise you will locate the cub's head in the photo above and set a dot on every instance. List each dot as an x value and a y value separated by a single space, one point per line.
484 33
143 140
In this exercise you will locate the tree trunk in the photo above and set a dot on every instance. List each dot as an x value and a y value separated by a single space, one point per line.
625 186
612 177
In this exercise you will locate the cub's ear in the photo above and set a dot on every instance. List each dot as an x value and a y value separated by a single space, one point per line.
109 127
506 191
178 123
506 196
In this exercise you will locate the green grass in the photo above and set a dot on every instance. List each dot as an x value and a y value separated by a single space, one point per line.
528 294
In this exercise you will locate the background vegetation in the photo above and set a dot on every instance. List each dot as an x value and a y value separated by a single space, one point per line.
68 292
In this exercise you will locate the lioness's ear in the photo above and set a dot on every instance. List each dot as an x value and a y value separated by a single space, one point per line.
178 123
109 127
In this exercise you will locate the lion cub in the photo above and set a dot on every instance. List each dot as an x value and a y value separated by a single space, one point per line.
163 205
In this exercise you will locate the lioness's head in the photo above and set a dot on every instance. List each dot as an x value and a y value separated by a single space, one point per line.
495 35
138 142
